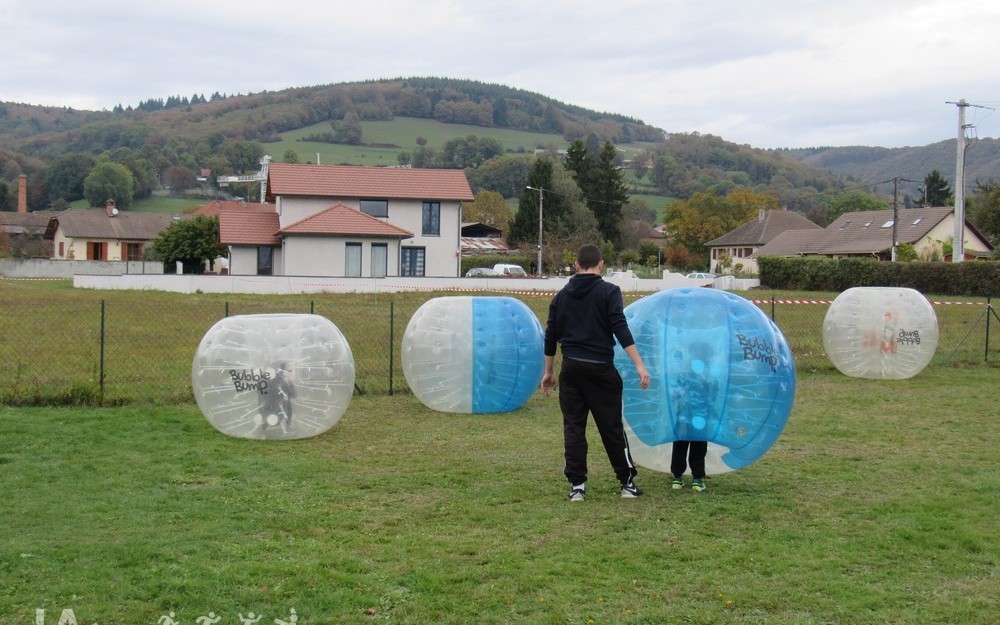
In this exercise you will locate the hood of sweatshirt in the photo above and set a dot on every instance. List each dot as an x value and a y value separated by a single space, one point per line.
581 284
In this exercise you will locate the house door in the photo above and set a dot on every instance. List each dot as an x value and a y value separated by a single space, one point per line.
97 250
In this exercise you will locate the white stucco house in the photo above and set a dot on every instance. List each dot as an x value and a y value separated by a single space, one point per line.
349 221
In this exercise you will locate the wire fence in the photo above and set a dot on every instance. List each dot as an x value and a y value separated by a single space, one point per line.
64 345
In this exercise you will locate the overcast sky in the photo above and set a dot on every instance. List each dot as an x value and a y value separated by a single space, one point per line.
768 73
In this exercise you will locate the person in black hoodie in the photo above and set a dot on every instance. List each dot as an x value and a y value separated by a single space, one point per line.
585 318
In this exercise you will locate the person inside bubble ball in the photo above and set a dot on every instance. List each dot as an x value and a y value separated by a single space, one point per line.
694 395
276 398
585 318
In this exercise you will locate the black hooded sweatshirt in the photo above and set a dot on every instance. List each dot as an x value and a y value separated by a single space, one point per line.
586 317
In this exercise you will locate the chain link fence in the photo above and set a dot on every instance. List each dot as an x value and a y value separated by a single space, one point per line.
65 345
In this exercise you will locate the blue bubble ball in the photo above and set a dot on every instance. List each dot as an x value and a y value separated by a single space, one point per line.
473 354
720 371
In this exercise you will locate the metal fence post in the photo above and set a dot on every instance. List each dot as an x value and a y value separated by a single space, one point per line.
312 307
102 352
772 309
392 339
227 308
989 309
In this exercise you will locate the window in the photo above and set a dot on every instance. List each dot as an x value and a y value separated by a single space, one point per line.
62 251
887 224
917 220
352 264
432 218
132 251
265 255
380 260
375 208
411 261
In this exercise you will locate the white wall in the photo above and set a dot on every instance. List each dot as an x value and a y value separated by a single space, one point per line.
441 252
302 284
51 268
327 256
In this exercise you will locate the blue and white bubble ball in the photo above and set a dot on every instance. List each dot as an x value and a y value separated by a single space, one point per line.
473 354
882 333
720 371
275 376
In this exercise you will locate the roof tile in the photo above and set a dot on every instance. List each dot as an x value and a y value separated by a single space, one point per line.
248 227
347 181
340 219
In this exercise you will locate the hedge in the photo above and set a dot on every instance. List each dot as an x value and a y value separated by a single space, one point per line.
976 278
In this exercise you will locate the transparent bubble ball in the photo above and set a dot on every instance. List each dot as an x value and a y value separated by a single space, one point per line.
474 354
887 333
720 371
277 376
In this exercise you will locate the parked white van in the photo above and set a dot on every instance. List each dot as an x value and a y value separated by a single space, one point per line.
512 271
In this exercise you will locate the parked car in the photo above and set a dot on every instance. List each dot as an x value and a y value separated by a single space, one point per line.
625 273
480 272
512 271
701 276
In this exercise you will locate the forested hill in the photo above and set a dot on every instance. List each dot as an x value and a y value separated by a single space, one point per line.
490 130
872 164
37 130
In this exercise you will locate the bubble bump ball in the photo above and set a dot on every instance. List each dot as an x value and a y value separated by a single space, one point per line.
720 371
275 376
473 355
886 333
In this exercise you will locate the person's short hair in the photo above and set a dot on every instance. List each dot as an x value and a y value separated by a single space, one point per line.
588 256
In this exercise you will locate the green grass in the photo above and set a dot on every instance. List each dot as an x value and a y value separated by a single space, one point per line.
160 202
401 132
876 505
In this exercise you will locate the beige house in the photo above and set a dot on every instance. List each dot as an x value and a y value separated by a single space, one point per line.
870 234
103 233
740 245
338 220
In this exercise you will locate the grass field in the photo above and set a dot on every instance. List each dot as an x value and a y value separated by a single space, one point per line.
149 337
876 506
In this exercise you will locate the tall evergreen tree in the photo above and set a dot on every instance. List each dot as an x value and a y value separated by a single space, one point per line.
579 161
937 192
524 227
602 183
607 194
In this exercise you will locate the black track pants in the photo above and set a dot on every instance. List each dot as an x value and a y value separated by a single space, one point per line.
681 455
594 388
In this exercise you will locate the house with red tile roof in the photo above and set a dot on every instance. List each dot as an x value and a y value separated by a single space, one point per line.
339 220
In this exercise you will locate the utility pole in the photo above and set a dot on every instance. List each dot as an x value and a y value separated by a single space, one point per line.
895 217
958 243
895 213
958 246
541 202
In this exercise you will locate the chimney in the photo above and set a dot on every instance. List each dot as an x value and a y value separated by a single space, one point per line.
22 194
112 211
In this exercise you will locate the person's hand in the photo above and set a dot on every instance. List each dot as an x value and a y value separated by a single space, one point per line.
548 381
643 376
